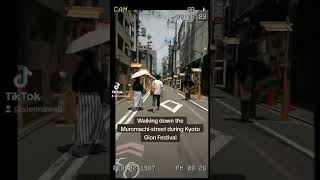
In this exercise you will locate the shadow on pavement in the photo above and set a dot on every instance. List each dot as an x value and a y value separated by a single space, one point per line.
64 148
218 97
239 120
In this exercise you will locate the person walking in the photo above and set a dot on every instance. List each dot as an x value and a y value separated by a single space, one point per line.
137 88
88 83
246 87
246 80
158 89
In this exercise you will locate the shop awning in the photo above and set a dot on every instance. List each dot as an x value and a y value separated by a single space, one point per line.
279 26
196 69
232 40
136 65
85 12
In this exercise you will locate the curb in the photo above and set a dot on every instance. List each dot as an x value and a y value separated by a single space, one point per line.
282 138
287 141
42 121
293 116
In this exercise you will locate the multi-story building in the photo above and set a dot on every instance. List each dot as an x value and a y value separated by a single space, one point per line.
47 28
154 61
41 48
125 42
192 47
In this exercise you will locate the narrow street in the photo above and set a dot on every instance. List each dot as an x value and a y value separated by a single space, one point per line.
164 157
253 153
39 159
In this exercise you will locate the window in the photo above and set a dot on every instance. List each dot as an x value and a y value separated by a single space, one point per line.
127 27
120 42
126 46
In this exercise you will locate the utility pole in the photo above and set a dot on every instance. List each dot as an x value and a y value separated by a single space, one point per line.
148 53
137 37
175 47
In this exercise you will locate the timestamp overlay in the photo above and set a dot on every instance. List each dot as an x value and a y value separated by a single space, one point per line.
168 139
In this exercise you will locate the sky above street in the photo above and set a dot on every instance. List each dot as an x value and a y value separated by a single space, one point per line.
156 26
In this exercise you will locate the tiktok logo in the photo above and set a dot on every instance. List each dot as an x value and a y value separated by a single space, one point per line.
21 79
116 87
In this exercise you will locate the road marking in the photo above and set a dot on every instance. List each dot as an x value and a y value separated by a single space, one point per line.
130 111
228 106
221 139
123 118
175 109
274 163
197 114
194 102
284 139
306 151
133 145
130 151
118 134
73 169
55 167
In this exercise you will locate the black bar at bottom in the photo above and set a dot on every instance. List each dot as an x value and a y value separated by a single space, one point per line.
227 177
93 177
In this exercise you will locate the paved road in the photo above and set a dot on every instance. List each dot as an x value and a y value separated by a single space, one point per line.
163 159
38 158
235 148
252 153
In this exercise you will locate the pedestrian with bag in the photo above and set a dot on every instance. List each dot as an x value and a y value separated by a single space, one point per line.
89 85
137 88
157 87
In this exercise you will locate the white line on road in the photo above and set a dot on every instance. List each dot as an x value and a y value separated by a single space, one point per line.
118 134
284 139
129 112
76 165
175 109
220 140
197 114
269 159
55 167
123 118
228 106
194 102
59 163
73 169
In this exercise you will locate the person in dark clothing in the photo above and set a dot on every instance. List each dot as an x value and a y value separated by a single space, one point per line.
188 86
246 80
137 88
89 85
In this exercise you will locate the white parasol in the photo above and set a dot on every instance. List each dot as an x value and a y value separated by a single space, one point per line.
93 38
140 73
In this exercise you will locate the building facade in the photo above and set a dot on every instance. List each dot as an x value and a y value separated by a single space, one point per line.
154 61
125 44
